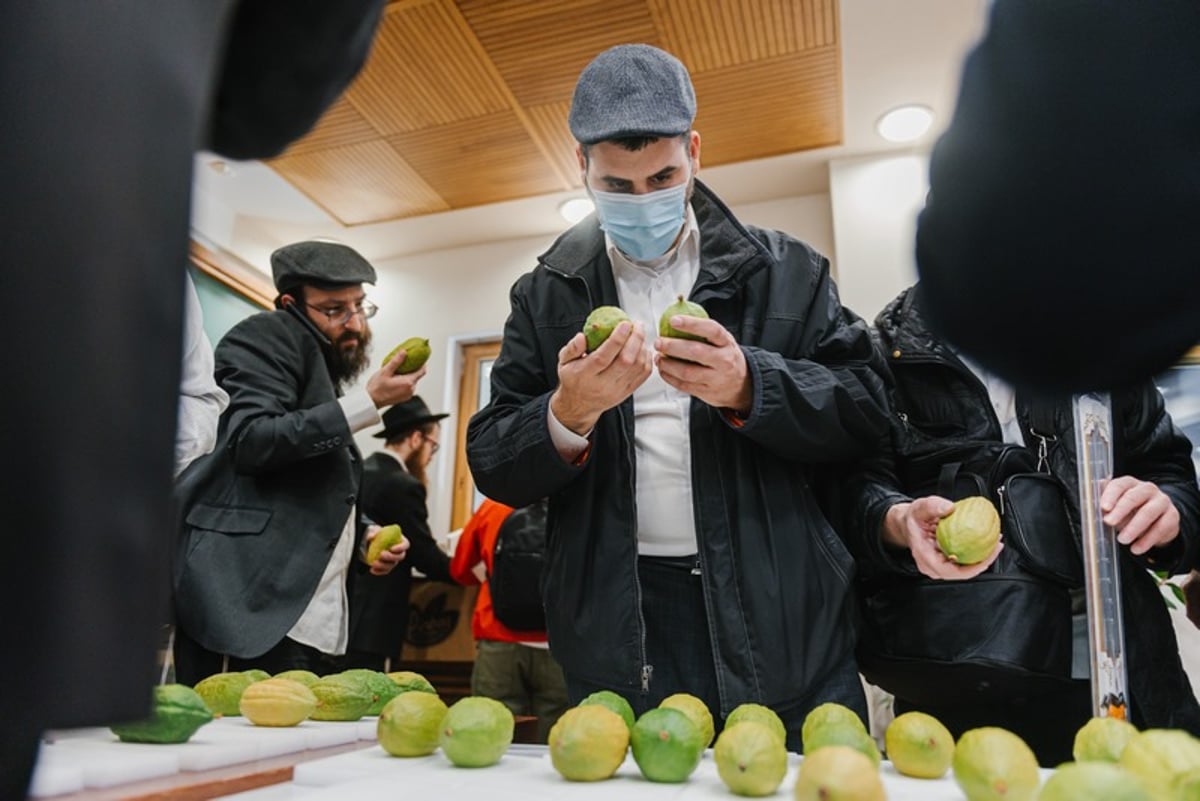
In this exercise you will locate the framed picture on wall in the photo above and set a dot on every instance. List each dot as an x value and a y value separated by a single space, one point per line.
229 290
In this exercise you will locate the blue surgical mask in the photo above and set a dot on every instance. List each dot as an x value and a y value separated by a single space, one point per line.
642 226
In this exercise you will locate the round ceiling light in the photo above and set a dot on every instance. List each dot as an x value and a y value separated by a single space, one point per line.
905 123
575 209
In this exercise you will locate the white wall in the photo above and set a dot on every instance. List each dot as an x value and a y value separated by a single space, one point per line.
874 203
461 294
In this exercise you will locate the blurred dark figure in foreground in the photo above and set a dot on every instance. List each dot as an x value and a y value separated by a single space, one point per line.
1059 244
104 105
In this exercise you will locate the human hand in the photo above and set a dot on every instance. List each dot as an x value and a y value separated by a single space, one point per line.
387 387
1142 514
590 384
714 371
388 559
913 525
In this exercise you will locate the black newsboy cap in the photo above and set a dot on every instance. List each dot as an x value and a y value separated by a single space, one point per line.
632 90
319 262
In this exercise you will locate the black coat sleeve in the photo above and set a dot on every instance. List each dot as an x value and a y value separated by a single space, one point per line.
285 62
826 402
1155 450
1059 242
512 458
398 498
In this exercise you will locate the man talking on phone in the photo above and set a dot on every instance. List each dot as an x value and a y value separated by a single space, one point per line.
270 517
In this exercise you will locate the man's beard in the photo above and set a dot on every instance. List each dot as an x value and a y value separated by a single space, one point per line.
347 364
416 467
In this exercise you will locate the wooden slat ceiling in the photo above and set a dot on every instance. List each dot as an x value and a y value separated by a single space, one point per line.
464 102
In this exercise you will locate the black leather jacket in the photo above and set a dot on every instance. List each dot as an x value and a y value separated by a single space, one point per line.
777 577
937 397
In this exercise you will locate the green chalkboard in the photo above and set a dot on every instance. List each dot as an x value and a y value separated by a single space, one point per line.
222 305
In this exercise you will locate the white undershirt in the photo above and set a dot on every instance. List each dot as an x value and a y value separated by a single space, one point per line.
325 623
666 523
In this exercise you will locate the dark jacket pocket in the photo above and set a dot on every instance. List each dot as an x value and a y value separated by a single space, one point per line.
228 520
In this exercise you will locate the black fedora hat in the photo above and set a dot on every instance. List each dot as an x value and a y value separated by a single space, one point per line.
405 417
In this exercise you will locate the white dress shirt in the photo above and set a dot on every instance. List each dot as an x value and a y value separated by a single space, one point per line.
666 524
201 401
325 623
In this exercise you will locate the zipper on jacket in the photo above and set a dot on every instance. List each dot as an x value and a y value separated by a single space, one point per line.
647 670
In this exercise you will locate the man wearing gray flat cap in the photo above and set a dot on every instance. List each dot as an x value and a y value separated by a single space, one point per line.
271 515
687 551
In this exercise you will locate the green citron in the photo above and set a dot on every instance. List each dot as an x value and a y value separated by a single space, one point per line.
993 764
1161 758
830 714
666 745
838 773
600 324
695 709
751 758
305 677
588 743
1187 786
1102 739
683 308
277 702
919 745
476 732
256 674
1093 781
409 681
382 688
341 698
178 712
970 532
223 691
759 714
416 353
410 723
613 701
838 734
385 538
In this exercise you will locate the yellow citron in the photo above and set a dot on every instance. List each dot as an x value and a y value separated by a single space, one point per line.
385 538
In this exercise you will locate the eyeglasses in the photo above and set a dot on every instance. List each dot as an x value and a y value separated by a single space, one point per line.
340 315
435 443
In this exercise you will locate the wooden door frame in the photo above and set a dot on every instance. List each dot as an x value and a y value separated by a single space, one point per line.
473 353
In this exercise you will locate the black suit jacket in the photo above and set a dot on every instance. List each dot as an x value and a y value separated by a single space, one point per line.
379 604
104 106
264 510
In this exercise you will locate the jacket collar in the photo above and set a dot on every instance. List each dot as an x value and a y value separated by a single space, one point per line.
904 330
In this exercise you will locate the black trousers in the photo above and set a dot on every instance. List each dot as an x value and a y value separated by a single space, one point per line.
194 662
1047 722
680 650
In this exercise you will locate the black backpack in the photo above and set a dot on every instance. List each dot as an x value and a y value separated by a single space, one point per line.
517 562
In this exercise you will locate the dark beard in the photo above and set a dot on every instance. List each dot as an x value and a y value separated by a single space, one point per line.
344 365
416 468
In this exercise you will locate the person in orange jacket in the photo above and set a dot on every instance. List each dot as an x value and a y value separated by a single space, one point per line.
514 667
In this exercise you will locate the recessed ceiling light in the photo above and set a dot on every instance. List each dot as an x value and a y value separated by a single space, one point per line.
905 123
575 209
222 167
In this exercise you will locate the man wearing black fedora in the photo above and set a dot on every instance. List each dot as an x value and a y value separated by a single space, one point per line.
393 491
